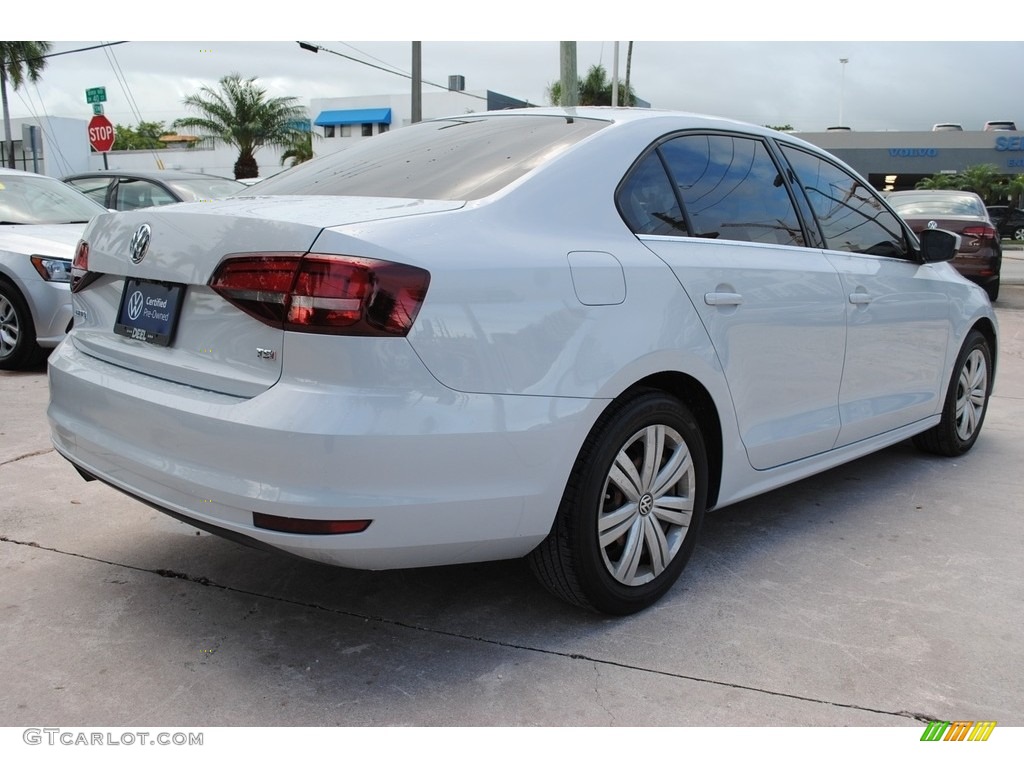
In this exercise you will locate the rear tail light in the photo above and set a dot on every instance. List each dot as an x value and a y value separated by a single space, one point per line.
981 231
324 293
80 267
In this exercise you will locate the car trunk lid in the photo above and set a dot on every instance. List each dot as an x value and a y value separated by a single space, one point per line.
158 314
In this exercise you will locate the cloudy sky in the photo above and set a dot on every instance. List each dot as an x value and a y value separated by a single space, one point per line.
887 84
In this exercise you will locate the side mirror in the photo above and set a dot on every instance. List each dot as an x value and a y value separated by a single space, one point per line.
938 245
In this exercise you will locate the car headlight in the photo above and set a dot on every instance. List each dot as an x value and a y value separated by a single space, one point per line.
52 270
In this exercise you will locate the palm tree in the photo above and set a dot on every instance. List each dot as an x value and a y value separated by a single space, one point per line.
983 179
240 114
300 149
18 60
594 90
939 181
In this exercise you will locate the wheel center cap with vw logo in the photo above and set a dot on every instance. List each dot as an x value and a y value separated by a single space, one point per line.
140 243
646 504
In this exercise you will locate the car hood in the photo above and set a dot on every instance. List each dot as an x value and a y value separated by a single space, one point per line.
57 240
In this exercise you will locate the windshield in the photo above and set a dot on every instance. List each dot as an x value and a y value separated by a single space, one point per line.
931 205
191 190
42 200
463 158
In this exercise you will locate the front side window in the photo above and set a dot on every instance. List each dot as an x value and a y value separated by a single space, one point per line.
851 216
732 189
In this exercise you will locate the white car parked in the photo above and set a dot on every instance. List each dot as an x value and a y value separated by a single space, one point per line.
561 334
41 221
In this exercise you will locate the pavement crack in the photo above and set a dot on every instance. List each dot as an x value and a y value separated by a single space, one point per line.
28 455
572 656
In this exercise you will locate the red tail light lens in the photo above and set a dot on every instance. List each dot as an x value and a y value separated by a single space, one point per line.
324 293
80 275
981 231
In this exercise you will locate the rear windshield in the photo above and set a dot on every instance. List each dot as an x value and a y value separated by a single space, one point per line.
947 205
463 158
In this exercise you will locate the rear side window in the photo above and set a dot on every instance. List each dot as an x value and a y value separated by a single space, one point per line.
647 201
851 216
732 190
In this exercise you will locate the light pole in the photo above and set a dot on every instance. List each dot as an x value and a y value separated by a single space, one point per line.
842 89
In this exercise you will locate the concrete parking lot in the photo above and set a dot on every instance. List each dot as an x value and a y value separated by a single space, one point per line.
883 593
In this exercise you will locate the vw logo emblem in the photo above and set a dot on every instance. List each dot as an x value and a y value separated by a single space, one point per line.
933 225
646 504
140 243
135 305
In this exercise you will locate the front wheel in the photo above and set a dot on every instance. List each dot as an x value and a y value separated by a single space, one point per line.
18 348
966 401
630 514
1018 234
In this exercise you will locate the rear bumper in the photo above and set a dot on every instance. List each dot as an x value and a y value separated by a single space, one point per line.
446 477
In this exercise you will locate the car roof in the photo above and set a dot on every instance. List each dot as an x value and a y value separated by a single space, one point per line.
16 172
146 174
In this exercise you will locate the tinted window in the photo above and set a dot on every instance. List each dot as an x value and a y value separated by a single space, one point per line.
135 193
96 189
647 201
850 214
732 189
945 204
455 159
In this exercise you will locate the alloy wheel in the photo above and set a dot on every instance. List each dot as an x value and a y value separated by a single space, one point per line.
9 327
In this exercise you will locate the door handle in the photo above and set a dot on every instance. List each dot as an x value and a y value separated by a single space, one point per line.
860 298
723 299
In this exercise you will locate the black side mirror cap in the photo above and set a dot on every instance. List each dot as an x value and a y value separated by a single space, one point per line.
938 245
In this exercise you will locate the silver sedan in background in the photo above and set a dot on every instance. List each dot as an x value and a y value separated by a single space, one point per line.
41 221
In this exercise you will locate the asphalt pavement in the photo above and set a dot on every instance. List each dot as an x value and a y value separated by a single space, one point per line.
886 592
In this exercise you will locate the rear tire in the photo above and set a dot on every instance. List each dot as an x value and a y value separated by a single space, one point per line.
966 401
631 511
992 289
18 348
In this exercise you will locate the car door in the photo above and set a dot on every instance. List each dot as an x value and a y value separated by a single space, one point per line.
897 308
716 209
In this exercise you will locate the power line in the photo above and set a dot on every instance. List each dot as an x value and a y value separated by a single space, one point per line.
76 50
313 47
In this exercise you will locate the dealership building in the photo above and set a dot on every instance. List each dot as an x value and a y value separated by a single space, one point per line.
893 160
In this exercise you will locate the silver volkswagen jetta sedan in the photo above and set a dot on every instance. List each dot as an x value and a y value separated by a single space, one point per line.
560 334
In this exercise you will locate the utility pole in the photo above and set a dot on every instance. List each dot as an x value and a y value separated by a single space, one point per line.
615 74
570 83
417 83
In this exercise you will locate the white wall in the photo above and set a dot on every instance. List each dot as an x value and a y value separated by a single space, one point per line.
219 161
65 145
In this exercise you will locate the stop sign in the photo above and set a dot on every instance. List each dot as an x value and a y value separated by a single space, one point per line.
101 133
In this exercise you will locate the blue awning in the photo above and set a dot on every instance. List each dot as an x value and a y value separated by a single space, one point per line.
353 116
